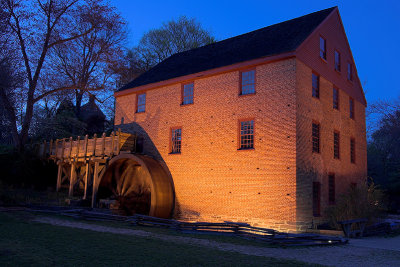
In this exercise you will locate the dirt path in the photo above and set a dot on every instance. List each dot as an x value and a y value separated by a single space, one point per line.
348 255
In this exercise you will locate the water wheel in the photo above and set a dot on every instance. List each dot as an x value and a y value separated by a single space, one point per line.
137 184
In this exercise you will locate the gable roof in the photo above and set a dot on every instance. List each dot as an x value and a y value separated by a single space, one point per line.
272 40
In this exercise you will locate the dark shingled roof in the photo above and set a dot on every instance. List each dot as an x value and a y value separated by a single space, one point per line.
272 40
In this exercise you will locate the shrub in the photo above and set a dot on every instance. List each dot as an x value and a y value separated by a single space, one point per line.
363 201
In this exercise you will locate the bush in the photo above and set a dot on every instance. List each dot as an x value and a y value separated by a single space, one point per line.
364 201
25 169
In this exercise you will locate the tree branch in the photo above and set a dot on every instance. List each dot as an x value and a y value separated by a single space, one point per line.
64 88
71 38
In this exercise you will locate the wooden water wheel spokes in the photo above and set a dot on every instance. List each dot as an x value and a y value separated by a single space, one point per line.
137 184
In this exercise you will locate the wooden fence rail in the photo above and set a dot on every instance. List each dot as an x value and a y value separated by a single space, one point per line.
242 230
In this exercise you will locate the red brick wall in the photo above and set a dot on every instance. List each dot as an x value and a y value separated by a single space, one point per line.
314 167
213 180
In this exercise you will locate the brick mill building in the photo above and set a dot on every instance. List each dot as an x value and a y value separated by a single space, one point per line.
267 127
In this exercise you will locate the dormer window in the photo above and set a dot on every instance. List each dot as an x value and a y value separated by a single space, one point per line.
337 61
322 48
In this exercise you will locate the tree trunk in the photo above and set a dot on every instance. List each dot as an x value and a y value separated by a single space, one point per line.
78 104
11 117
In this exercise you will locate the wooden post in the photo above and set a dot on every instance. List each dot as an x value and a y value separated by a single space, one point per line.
94 144
86 146
62 149
70 147
87 177
103 144
119 141
112 144
95 181
56 147
77 147
72 179
59 174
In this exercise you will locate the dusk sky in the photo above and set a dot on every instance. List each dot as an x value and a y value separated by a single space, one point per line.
372 28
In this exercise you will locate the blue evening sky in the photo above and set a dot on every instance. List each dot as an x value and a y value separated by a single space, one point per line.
372 28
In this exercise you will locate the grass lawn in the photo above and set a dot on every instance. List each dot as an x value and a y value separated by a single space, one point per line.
25 243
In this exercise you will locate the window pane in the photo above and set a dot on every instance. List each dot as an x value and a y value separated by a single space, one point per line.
349 72
315 85
188 90
141 103
246 134
351 105
331 189
337 61
335 98
176 140
322 48
336 145
248 82
316 198
315 137
352 150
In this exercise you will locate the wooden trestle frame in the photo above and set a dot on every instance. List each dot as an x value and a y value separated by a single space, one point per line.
81 161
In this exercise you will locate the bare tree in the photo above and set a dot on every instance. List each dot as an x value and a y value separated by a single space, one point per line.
156 45
89 63
37 27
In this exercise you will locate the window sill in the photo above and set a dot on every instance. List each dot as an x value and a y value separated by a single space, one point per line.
174 153
316 97
184 105
323 59
338 71
138 112
245 149
243 95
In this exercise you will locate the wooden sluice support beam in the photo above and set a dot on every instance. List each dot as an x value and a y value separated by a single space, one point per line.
80 162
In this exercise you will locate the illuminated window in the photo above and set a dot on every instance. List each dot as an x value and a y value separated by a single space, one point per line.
335 98
315 85
315 137
141 103
352 150
246 133
248 82
187 93
337 61
331 188
316 199
322 48
176 140
349 72
351 106
336 145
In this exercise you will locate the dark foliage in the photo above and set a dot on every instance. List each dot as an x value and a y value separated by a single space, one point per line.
384 157
25 169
